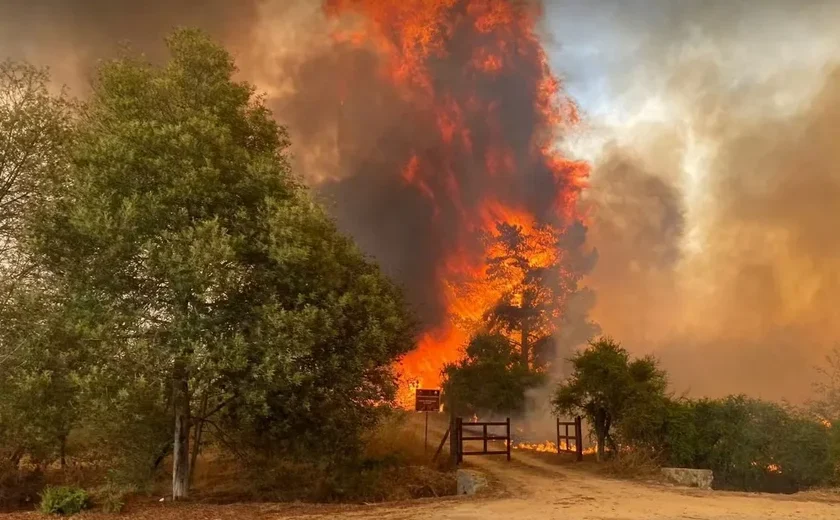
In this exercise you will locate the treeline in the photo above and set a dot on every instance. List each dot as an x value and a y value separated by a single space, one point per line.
167 280
749 444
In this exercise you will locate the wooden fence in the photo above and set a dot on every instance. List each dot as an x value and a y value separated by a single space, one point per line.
570 443
470 428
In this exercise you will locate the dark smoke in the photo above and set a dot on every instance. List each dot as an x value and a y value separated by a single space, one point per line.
363 130
714 219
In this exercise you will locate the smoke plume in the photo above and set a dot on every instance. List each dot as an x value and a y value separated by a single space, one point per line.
708 126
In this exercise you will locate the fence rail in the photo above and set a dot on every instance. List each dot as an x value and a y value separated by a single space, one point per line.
485 437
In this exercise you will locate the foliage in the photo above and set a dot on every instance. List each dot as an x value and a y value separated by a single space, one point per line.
34 127
36 362
63 500
611 390
749 444
492 377
111 497
181 232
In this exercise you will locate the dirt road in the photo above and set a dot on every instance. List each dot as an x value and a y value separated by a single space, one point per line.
529 489
534 489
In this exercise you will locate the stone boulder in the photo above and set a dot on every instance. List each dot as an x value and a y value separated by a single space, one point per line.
699 478
470 481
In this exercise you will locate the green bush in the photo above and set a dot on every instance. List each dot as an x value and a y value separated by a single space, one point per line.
111 496
750 444
63 500
492 377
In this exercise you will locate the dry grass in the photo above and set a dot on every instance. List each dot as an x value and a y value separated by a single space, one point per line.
394 466
635 465
19 488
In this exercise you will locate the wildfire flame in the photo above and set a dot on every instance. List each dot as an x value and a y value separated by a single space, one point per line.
498 115
550 447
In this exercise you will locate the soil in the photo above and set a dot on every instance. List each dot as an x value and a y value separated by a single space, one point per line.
527 488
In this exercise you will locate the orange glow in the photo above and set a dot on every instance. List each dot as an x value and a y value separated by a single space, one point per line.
550 447
482 133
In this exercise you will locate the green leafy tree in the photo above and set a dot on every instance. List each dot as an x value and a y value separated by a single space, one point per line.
490 378
40 383
36 364
180 225
34 127
606 386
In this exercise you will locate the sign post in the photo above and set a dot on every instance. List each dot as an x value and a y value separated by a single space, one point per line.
426 400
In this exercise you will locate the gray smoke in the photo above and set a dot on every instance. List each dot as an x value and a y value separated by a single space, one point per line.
713 199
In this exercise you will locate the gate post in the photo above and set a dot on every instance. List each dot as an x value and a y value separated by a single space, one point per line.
509 441
459 425
453 440
578 439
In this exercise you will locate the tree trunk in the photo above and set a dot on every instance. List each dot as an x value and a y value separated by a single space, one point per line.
526 346
181 445
608 439
16 456
199 428
601 433
62 450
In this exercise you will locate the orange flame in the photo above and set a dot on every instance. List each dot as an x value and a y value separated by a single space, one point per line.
467 63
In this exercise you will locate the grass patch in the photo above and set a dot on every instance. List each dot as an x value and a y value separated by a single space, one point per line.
63 500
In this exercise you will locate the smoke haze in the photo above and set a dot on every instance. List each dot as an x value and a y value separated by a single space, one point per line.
710 127
714 187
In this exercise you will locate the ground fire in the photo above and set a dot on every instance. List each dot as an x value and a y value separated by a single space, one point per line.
487 117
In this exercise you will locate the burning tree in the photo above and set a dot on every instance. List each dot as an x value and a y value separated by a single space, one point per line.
527 265
483 146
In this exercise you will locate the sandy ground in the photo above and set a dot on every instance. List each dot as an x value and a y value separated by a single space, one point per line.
530 488
534 489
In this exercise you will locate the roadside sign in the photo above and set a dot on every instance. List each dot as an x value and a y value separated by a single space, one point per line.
427 400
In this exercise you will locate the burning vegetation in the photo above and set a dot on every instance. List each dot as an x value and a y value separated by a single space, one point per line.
475 121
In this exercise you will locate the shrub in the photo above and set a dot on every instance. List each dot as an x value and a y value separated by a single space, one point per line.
750 444
615 393
111 496
63 500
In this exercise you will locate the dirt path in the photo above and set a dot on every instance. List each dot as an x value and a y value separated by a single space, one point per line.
534 489
531 489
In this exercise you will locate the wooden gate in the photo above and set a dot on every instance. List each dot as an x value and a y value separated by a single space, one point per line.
565 440
472 429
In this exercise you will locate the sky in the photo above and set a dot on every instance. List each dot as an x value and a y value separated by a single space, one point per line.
710 127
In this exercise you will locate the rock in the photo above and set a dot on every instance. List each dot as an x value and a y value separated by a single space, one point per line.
699 478
470 481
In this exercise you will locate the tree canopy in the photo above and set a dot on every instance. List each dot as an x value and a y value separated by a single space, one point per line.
490 378
180 227
606 386
536 270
